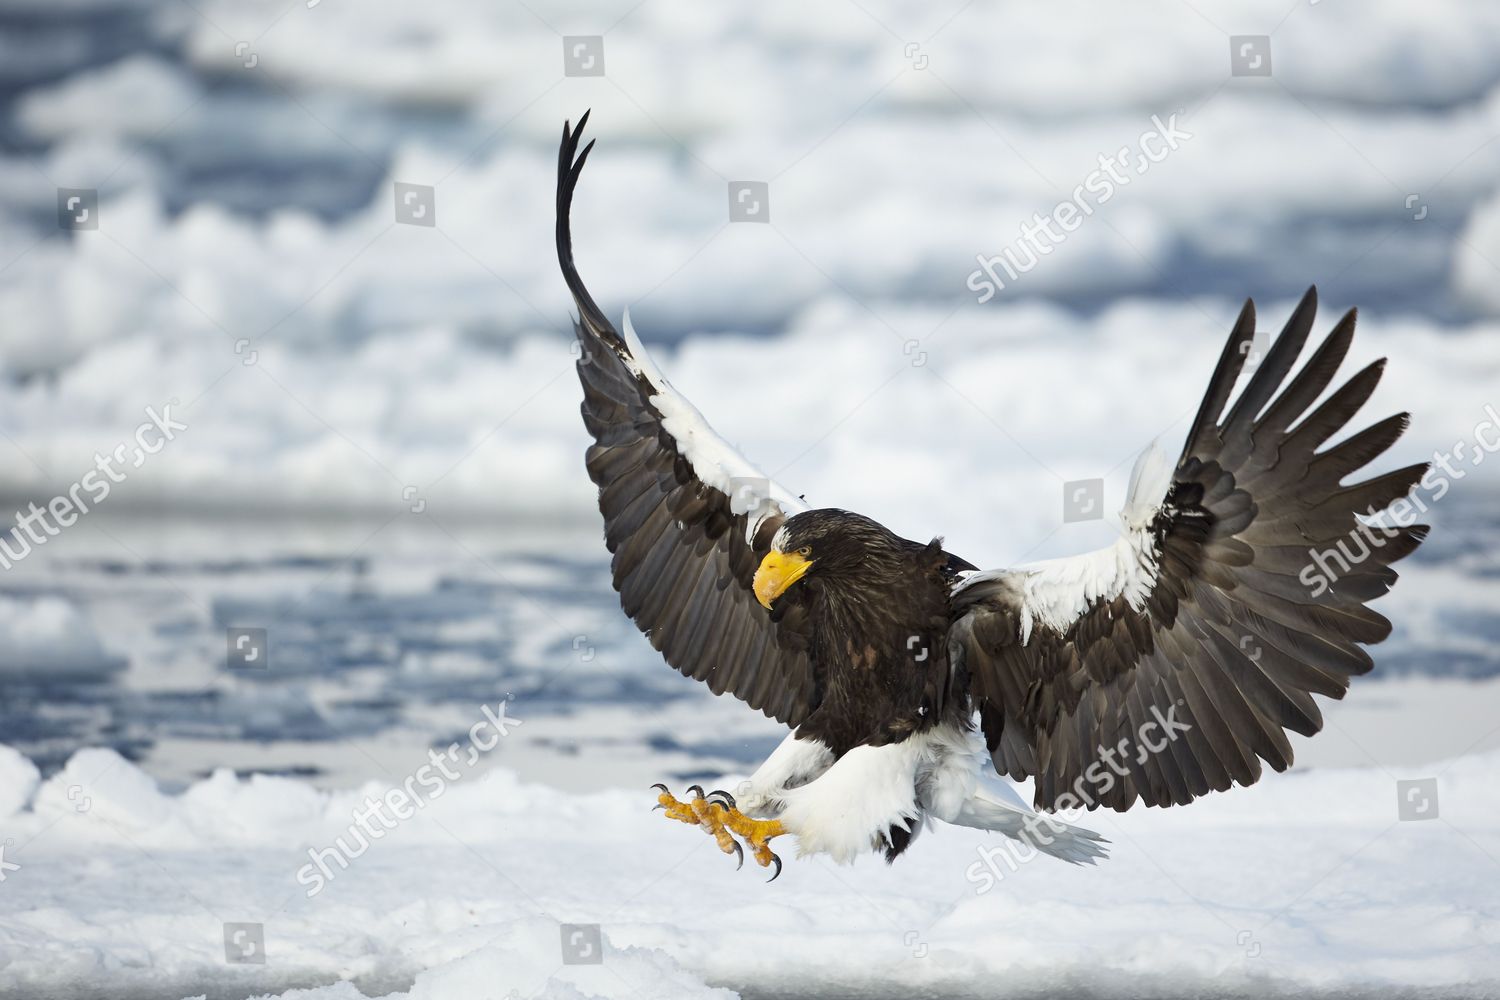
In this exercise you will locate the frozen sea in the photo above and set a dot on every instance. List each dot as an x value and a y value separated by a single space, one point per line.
381 468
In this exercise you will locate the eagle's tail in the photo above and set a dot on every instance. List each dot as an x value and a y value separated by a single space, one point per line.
1033 831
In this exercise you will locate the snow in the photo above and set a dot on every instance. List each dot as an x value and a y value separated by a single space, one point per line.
19 778
248 264
1015 405
1031 53
47 635
138 96
1307 879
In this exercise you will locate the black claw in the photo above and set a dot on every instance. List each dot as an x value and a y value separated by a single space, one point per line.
728 799
777 862
739 853
662 787
697 790
657 806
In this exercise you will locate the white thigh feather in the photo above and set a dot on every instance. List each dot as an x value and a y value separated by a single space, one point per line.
847 807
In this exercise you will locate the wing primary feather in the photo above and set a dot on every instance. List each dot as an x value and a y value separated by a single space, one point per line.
1231 362
1276 364
683 560
1219 617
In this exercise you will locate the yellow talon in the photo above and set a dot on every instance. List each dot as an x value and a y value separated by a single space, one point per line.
756 832
680 811
722 821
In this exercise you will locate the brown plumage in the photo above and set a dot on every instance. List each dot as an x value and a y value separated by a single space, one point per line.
877 608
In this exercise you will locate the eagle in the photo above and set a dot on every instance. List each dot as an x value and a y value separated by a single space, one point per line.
1167 665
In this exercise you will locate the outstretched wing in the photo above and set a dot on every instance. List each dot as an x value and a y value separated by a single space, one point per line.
685 516
1171 663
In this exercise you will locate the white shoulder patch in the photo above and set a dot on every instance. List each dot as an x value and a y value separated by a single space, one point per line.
1057 592
713 459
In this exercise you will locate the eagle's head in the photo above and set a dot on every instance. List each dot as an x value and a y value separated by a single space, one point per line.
836 547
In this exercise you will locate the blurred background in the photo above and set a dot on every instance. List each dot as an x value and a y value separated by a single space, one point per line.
319 235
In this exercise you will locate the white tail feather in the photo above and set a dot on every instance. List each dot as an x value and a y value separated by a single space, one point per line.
1048 834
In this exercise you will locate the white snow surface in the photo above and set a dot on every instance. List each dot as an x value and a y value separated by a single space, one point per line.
389 357
1305 881
975 443
46 635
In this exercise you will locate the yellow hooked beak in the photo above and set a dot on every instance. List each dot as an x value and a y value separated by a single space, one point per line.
778 571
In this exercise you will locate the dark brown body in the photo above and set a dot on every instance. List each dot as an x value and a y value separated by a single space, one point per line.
879 611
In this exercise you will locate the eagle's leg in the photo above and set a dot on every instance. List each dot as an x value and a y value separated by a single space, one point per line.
717 815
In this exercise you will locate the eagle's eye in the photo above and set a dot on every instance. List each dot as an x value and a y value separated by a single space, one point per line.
805 552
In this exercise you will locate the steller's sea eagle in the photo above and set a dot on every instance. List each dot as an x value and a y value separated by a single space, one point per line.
1162 667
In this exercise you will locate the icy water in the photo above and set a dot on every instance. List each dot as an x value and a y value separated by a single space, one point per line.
376 635
382 635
